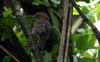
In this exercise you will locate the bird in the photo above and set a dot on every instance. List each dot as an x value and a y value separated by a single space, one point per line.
41 29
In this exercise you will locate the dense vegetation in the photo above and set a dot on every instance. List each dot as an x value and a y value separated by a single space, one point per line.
16 25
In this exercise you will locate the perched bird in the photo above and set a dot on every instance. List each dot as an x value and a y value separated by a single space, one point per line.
41 29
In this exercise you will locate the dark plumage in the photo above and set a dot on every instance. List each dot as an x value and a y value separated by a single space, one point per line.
41 28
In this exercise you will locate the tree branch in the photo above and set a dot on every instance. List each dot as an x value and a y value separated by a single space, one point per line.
8 53
64 43
95 30
69 22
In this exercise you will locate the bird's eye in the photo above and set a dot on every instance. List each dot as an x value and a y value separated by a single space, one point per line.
38 23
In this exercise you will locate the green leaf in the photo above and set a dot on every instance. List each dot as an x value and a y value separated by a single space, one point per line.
86 59
9 21
6 34
37 3
55 49
86 54
54 21
6 13
56 33
84 9
4 37
47 57
75 12
98 11
56 1
90 15
81 30
84 40
74 37
6 59
21 37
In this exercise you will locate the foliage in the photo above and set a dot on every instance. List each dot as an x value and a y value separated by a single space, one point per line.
84 39
6 59
37 3
6 13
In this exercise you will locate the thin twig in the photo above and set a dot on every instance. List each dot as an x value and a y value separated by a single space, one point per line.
8 53
95 30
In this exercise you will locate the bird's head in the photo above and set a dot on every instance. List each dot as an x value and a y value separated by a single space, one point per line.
41 16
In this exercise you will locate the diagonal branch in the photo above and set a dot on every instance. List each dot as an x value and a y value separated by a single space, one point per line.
8 53
95 30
